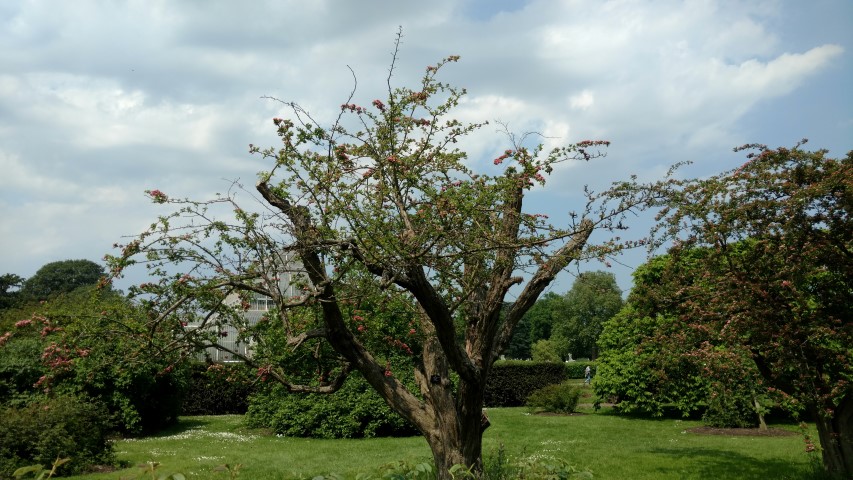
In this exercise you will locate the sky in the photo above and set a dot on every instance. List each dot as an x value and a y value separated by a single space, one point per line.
102 100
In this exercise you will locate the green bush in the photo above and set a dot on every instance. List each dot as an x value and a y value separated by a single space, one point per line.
511 381
219 389
729 408
354 411
559 398
70 345
75 427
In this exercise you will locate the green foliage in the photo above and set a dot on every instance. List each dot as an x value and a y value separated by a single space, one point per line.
511 381
66 426
557 398
61 277
354 411
83 343
642 374
219 389
593 299
543 315
9 289
545 351
773 280
20 369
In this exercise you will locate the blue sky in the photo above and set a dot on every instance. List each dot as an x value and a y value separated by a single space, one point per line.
100 101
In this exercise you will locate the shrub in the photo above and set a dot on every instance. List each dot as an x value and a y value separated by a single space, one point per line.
219 389
75 427
559 398
354 411
70 345
511 381
728 408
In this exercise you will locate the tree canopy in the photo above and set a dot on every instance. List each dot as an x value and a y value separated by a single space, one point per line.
774 278
593 299
61 277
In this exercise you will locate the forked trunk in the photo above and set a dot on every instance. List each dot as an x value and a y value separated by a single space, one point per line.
455 434
836 439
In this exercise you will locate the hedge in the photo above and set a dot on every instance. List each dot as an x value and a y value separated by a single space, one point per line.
512 381
219 389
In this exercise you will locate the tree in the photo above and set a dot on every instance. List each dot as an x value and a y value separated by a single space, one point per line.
594 298
775 277
381 205
535 325
61 277
10 285
652 360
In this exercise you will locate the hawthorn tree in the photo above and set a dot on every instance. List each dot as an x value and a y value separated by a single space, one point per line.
774 279
653 358
380 205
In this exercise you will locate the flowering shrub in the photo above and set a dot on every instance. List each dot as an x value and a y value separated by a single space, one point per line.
69 345
66 426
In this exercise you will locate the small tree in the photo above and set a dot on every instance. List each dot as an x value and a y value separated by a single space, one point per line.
774 279
381 205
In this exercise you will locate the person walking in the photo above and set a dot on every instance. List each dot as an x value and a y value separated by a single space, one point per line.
587 375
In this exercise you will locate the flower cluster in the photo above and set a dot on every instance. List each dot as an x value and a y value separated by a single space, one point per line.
507 154
264 372
157 196
353 108
379 105
398 344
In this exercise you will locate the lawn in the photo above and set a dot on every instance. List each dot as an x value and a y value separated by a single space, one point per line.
610 446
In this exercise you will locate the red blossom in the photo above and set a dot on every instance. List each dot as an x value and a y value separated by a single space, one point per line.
157 196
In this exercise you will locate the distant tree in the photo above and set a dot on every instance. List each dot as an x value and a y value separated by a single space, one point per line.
545 351
61 277
593 299
542 316
10 285
775 280
519 344
391 207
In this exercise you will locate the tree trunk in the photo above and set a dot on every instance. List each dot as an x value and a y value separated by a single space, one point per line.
451 447
762 425
836 439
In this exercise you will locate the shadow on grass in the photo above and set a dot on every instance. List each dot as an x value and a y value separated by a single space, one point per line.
183 425
714 463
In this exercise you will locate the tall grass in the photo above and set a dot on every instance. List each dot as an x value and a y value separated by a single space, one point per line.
610 446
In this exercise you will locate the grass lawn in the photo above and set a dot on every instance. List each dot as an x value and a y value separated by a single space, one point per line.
610 446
